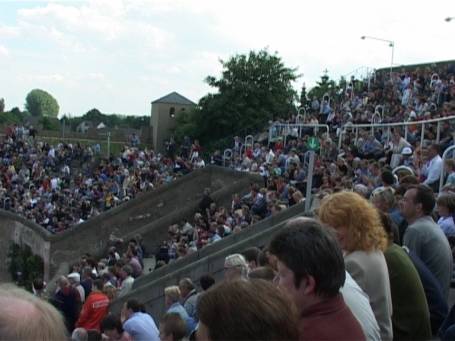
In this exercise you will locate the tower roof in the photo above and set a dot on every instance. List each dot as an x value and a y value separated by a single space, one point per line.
174 98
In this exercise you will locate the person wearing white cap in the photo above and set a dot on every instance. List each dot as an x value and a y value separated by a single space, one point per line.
406 159
75 281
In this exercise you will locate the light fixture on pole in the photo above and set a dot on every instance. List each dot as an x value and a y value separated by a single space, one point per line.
449 19
391 44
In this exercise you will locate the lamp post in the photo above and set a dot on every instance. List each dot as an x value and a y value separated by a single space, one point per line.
391 44
448 19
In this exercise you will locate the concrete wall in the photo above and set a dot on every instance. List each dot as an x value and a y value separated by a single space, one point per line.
150 288
23 232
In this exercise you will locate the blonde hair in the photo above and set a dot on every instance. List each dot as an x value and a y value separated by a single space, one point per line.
350 210
26 317
173 293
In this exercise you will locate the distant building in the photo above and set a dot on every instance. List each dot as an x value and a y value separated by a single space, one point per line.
84 126
164 111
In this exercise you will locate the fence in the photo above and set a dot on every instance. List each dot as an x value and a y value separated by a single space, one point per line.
293 129
389 126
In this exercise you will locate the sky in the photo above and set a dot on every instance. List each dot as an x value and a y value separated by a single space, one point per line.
119 55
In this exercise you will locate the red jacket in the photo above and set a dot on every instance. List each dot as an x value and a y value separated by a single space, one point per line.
329 320
93 312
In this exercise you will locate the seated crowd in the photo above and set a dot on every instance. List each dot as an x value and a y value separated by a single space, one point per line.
339 273
59 186
375 262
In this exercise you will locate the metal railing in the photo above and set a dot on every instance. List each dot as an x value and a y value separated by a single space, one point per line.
374 126
444 157
403 168
293 129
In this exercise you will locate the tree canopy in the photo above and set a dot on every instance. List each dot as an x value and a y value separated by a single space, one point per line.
253 89
41 103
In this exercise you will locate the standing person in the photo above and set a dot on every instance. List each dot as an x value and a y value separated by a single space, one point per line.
172 297
424 237
411 315
68 301
95 308
311 270
127 280
363 240
189 296
137 323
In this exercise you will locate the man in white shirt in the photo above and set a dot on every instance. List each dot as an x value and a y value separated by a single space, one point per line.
128 280
434 168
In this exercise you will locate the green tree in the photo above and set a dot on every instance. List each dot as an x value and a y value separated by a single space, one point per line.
325 85
41 103
303 96
2 105
252 90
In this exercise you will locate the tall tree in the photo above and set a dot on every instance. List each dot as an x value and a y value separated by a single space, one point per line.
325 85
41 103
2 105
303 96
253 89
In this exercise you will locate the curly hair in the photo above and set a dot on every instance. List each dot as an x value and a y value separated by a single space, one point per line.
350 210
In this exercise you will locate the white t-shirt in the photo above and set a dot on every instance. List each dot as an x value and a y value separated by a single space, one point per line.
359 303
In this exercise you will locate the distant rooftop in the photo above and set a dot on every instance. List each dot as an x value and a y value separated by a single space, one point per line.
174 98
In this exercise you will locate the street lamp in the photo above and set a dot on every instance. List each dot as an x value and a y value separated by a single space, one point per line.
449 19
391 44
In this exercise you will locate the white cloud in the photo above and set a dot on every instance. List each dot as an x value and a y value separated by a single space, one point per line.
8 31
4 52
89 52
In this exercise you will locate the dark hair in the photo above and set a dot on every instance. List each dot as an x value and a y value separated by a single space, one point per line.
251 254
436 147
262 258
98 284
174 325
187 283
93 335
409 180
387 177
425 197
111 322
206 281
308 249
238 310
38 283
262 272
134 305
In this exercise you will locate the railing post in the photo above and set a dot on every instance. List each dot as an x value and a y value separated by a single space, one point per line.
422 135
388 136
438 131
309 182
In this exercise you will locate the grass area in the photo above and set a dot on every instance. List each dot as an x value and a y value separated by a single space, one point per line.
115 146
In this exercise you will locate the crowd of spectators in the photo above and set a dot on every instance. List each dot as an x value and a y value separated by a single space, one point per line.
59 186
344 283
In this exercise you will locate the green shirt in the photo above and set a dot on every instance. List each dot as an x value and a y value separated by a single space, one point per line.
411 316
